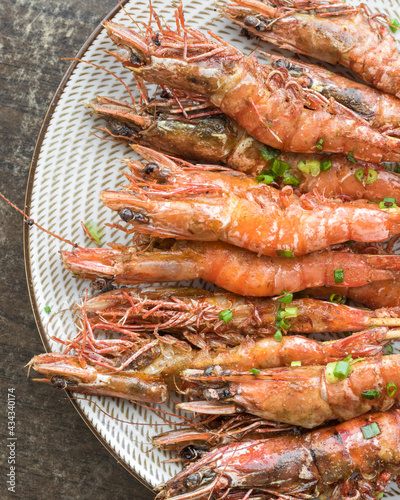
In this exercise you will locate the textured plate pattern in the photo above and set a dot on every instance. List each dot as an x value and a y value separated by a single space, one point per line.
73 167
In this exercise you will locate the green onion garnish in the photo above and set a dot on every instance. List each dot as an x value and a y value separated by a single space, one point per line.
47 309
325 165
226 315
359 174
330 377
348 358
284 253
388 203
265 179
371 394
94 231
284 324
336 298
387 350
350 155
255 371
319 144
291 180
279 167
278 336
371 430
295 363
379 495
338 275
269 153
312 167
342 370
391 389
286 298
290 312
371 176
394 25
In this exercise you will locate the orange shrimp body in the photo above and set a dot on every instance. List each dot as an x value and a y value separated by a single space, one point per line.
234 269
349 36
337 462
303 396
167 200
271 106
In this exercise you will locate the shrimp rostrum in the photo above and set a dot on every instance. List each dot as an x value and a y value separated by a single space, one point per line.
271 105
355 459
210 204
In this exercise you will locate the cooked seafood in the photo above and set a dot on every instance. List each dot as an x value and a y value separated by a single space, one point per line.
306 396
232 268
337 33
271 106
210 204
355 459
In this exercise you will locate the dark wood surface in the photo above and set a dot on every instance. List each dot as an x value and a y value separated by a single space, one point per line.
57 456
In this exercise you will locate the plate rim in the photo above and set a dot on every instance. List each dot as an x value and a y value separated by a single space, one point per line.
28 198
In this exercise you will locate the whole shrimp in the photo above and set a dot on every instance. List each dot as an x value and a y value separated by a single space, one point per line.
232 268
271 106
144 370
306 396
219 139
339 34
342 462
165 199
184 309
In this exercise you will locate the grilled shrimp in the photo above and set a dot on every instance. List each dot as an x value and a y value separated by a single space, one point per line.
306 396
198 311
339 34
143 370
219 139
234 269
165 199
273 107
352 460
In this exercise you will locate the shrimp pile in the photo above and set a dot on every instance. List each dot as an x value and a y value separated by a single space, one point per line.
307 219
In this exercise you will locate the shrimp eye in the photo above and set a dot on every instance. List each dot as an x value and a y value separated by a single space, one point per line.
251 21
134 59
150 168
58 382
119 129
188 453
126 214
192 481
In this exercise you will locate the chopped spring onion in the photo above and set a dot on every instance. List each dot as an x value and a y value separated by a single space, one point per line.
269 153
348 358
94 231
371 430
391 389
342 370
284 253
295 363
284 324
290 312
394 25
226 315
47 309
319 144
336 298
338 275
359 174
312 167
370 178
278 336
325 165
350 155
279 167
255 371
388 203
286 298
330 377
388 349
379 495
371 394
265 179
291 180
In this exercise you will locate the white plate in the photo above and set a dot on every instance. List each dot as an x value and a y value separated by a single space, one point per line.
72 168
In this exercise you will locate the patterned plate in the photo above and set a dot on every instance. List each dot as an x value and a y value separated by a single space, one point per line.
69 169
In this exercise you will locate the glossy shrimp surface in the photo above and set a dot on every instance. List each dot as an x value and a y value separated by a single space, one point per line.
206 204
271 106
339 34
303 396
336 462
234 269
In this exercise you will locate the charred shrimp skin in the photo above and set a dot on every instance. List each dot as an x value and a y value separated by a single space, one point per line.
350 36
337 462
270 106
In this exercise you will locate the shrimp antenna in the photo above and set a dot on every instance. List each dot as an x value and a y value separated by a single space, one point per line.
104 69
31 222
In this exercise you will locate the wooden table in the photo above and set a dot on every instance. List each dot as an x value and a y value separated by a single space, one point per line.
57 456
